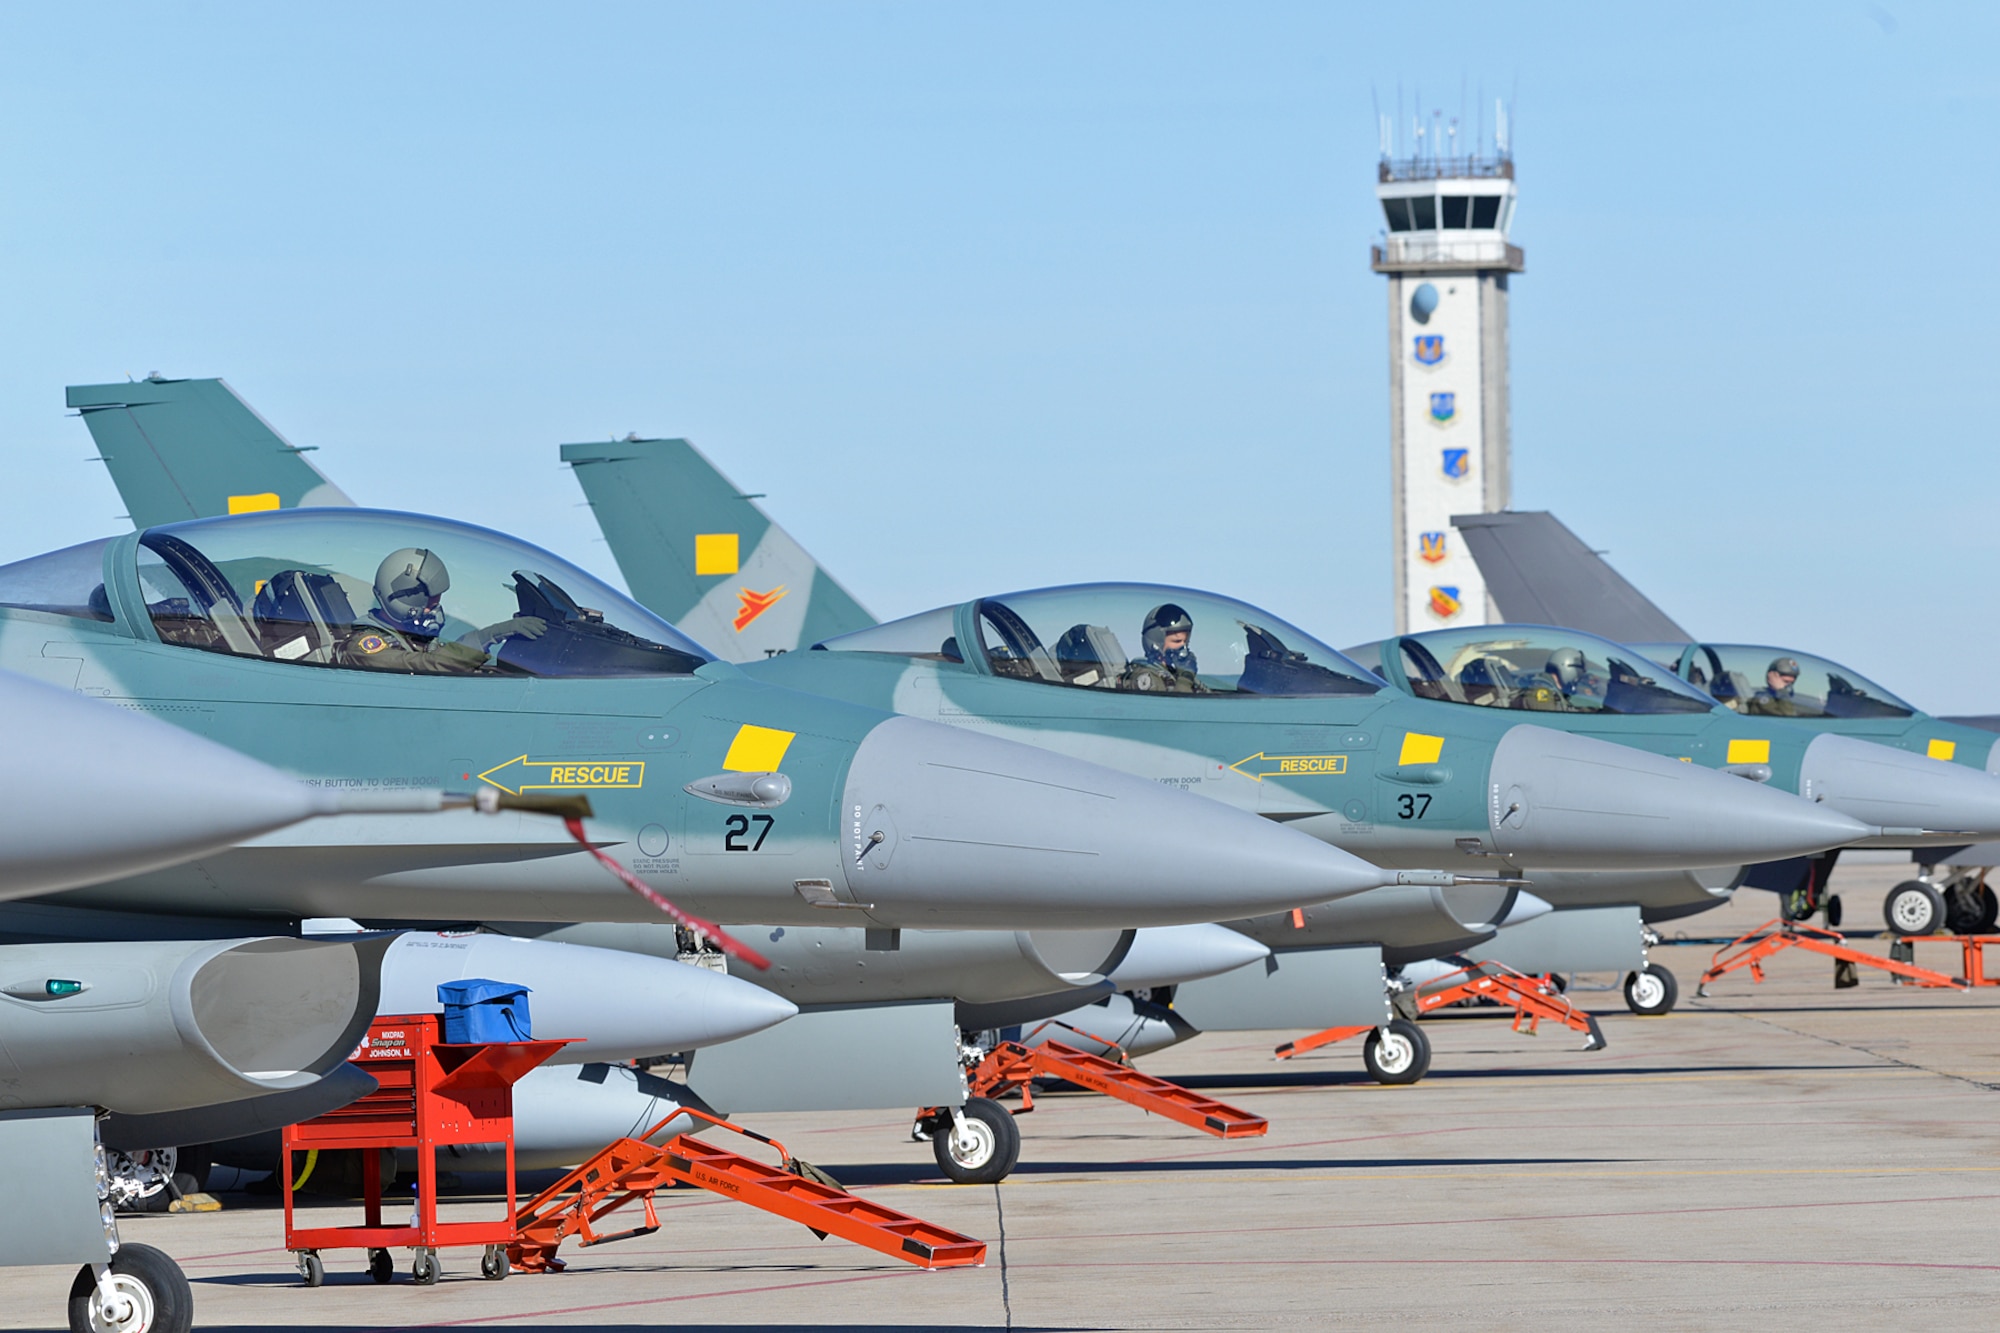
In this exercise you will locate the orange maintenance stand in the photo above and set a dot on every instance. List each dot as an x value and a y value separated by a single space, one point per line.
430 1095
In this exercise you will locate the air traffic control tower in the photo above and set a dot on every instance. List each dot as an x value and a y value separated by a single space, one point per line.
1448 261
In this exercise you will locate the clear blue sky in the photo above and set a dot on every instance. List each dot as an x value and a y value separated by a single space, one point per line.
994 296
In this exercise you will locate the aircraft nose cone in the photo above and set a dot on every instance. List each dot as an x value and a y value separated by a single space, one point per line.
947 827
1169 955
1896 789
1571 802
92 792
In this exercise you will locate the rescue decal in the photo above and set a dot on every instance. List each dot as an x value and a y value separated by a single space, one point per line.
1260 765
524 774
1749 752
715 553
1945 750
757 749
1420 749
750 604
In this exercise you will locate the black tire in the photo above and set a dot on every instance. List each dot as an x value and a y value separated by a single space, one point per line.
164 1303
1651 993
1913 908
1988 916
312 1269
995 1146
493 1264
424 1268
1970 911
381 1265
1833 912
1559 982
1397 1054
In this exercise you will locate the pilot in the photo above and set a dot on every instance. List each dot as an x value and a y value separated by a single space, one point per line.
408 616
1571 671
1169 664
1776 698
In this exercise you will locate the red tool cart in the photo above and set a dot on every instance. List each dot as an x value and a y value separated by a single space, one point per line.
431 1095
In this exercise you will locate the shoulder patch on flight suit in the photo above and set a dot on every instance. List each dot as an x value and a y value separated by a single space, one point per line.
372 643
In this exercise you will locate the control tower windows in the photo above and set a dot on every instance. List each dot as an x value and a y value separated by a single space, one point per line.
1486 211
1423 212
1398 212
1456 207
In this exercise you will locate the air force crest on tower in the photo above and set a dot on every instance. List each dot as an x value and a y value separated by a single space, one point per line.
1444 601
1430 547
1457 462
1444 408
1429 349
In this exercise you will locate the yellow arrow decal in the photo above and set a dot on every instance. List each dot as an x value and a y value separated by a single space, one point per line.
1260 765
524 774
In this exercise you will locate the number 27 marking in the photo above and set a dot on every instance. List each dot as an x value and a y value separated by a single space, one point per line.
739 829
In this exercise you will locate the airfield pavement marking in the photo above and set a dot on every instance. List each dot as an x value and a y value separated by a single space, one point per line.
646 1300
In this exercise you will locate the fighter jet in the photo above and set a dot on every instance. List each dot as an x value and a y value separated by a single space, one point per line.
1539 571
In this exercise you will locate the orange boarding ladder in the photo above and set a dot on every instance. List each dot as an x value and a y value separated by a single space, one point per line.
1531 998
1010 1066
632 1169
1973 957
1755 946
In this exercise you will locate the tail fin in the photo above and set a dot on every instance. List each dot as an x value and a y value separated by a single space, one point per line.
180 449
1538 572
698 552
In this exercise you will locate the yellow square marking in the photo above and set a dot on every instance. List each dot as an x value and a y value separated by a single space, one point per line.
757 749
252 504
715 553
1420 749
1749 752
1944 750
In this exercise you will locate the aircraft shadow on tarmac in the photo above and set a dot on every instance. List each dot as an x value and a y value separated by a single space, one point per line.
877 1175
1328 1078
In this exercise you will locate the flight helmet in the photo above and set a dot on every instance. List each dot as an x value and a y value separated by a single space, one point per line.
407 588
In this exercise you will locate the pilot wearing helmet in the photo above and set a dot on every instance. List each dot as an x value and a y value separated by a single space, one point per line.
408 616
1776 698
1169 664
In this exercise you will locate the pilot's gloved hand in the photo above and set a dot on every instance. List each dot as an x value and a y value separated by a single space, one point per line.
527 627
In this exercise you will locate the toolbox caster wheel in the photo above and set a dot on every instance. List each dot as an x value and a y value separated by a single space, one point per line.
381 1266
1913 908
981 1147
151 1293
424 1268
1398 1053
1651 993
312 1271
493 1265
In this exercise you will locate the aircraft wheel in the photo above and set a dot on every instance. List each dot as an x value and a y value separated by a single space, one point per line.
424 1268
312 1269
1651 993
1988 916
1913 908
983 1149
152 1296
1833 912
493 1264
381 1266
1398 1053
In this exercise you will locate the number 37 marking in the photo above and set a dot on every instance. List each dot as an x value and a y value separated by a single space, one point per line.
1415 806
739 829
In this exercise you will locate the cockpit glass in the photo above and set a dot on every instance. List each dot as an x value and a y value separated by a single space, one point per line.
1144 639
1778 682
378 591
928 635
1538 670
69 582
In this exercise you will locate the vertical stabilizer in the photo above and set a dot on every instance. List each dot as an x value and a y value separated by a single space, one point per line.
180 449
1538 572
701 554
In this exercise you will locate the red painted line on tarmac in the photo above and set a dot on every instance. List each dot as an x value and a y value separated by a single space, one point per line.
1566 1261
652 1300
1487 1221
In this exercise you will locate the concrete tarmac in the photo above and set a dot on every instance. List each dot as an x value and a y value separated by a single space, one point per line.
1784 1155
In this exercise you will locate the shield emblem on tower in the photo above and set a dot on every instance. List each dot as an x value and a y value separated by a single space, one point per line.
1430 547
1444 602
1444 407
1430 348
1457 462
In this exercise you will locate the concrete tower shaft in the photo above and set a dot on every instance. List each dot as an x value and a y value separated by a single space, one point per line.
1448 259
